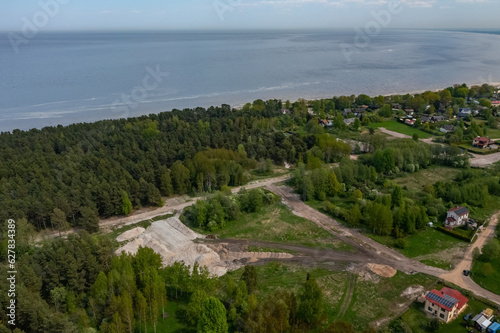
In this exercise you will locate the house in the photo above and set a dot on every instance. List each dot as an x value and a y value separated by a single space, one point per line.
483 320
286 111
396 106
445 304
346 112
495 103
349 121
481 142
457 216
325 123
465 110
364 107
358 112
438 118
494 328
463 115
425 119
410 122
447 129
409 112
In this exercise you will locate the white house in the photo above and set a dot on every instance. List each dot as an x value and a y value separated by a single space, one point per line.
457 216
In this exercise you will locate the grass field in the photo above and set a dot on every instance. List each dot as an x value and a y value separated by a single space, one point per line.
427 245
276 223
371 301
431 175
394 125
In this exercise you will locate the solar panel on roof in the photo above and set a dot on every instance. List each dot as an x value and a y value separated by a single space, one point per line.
446 300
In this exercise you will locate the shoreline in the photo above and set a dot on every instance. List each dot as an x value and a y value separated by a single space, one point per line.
413 92
238 106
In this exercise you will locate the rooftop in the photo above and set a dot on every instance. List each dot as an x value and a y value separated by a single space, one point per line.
446 298
459 210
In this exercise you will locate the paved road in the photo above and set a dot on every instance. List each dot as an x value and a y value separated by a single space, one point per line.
386 255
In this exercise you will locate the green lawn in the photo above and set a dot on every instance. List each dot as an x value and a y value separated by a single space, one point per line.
423 243
276 223
431 175
417 320
394 125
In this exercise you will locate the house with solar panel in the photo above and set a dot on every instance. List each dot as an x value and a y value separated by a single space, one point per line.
456 216
445 304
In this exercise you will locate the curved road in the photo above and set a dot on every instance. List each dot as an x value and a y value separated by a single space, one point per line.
389 256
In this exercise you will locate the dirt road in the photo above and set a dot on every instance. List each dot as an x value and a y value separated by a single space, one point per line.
364 244
456 276
481 161
171 206
385 255
402 136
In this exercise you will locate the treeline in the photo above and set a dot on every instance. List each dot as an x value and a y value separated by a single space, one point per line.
70 176
80 285
213 213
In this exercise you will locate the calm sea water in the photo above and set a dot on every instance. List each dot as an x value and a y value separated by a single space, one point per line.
67 78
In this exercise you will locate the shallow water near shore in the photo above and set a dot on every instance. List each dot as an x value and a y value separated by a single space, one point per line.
83 77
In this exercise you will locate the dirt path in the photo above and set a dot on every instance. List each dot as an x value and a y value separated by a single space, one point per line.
373 250
481 161
347 297
171 206
394 134
456 276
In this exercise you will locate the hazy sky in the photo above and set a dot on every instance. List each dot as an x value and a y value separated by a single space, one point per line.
244 14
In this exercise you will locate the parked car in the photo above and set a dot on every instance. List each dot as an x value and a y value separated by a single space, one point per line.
466 272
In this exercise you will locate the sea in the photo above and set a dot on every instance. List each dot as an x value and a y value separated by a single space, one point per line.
63 78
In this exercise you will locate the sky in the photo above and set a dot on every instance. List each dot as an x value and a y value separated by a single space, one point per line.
127 15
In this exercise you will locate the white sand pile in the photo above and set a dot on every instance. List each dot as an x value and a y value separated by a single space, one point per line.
130 234
382 270
174 242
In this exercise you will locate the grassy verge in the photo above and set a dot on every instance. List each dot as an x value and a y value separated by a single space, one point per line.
394 125
276 223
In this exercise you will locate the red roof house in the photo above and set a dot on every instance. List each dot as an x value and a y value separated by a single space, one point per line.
481 142
445 304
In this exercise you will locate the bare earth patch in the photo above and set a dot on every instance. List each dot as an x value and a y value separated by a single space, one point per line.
413 292
130 234
382 270
175 243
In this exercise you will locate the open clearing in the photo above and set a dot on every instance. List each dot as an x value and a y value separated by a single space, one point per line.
417 180
394 125
276 223
371 299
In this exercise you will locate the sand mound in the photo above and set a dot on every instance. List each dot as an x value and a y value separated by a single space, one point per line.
175 242
130 234
382 270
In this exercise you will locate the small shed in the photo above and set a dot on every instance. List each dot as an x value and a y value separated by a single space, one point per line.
482 323
494 328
